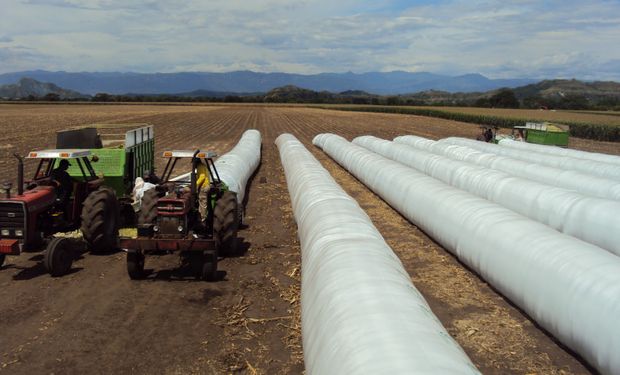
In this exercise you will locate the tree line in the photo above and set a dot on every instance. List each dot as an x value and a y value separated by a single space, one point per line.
504 98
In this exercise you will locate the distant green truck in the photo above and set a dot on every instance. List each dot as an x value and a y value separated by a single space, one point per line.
121 153
542 133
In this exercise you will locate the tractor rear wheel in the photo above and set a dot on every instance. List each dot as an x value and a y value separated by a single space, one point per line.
58 256
2 258
135 265
100 220
226 222
148 207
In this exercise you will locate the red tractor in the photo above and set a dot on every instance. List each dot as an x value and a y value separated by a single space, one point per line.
169 219
44 207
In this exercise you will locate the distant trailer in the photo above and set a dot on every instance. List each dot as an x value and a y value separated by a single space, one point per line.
542 133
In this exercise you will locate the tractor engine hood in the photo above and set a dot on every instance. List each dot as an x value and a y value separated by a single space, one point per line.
36 199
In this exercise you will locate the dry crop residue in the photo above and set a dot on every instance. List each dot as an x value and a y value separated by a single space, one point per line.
97 320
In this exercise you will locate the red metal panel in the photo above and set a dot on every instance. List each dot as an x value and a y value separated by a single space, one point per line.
173 206
10 247
150 244
40 197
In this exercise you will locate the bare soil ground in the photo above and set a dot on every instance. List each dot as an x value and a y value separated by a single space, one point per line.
96 320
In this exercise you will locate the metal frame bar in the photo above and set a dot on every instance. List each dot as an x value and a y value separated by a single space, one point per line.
82 169
90 168
50 166
36 173
214 175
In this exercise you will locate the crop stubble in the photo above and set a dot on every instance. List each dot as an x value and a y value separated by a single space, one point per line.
95 319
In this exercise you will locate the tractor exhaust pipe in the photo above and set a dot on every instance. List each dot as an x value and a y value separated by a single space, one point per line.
193 189
20 174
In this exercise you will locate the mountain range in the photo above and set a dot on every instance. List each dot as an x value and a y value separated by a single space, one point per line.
384 83
26 87
555 89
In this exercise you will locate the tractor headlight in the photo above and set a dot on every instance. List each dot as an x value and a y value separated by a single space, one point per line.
19 232
4 232
155 228
180 228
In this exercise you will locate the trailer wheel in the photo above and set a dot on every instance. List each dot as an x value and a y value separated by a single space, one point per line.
100 220
2 258
148 207
226 222
209 267
135 265
58 257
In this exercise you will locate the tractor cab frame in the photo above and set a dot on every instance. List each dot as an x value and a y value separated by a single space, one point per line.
82 184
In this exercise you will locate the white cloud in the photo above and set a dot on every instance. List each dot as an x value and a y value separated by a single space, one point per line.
500 39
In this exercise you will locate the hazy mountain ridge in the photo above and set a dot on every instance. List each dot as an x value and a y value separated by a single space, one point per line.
548 93
548 89
388 83
564 87
28 87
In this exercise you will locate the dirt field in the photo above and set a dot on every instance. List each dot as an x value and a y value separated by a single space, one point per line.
96 320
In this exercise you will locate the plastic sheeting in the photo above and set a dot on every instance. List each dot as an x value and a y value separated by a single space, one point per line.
139 188
572 180
360 312
594 168
605 158
593 220
570 287
236 166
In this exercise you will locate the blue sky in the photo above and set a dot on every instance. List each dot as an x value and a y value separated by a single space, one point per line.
500 39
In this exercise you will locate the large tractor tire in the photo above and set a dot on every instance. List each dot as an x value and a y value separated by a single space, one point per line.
209 267
202 265
100 220
128 217
58 256
135 265
226 222
148 207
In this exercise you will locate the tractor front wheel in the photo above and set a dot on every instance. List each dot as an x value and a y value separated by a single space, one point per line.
100 220
135 265
58 256
209 267
226 222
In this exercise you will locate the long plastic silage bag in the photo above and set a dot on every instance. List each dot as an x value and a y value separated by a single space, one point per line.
593 220
361 314
236 166
570 287
572 180
558 151
594 168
